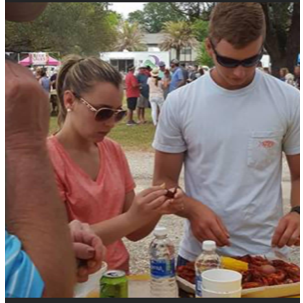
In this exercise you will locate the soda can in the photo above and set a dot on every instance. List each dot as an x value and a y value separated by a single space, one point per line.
114 284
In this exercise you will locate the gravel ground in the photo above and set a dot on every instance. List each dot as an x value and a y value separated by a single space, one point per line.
142 168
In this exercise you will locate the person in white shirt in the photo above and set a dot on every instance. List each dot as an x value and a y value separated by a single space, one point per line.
230 128
156 94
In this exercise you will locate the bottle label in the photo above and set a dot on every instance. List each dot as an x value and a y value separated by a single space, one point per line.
199 286
162 268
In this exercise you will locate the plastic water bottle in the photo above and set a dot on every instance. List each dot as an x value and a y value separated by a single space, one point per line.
208 259
162 266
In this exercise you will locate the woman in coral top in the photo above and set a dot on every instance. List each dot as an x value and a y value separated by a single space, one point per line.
92 172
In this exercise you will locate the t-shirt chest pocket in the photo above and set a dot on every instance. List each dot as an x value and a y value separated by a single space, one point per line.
263 148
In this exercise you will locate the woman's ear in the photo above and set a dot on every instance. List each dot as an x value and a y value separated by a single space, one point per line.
69 100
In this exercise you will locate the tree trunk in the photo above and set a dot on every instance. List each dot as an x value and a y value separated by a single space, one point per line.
178 51
293 41
283 49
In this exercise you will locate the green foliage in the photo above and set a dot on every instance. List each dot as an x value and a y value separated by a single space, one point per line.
83 28
193 11
203 57
178 35
130 37
200 29
154 15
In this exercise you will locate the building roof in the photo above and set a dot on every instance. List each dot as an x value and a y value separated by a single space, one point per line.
153 38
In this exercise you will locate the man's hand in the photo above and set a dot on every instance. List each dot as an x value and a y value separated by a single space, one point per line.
26 109
288 231
206 225
88 248
173 205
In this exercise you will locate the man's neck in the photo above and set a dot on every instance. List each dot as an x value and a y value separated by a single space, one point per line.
221 82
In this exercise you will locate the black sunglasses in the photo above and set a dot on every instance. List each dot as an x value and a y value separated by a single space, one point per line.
104 113
232 63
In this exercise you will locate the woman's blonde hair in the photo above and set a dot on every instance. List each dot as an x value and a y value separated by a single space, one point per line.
79 75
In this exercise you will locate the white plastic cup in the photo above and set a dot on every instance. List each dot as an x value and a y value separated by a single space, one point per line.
221 280
216 294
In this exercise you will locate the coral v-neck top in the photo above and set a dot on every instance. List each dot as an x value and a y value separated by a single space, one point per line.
93 201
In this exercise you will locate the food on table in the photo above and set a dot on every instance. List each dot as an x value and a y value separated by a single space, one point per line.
233 264
260 271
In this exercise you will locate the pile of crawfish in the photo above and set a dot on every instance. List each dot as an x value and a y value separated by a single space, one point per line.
261 272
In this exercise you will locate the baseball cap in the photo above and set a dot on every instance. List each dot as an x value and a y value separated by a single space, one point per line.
131 67
161 64
23 11
174 61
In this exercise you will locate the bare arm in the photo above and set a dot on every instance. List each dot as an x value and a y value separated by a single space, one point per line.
294 166
141 208
167 170
34 212
115 229
205 224
288 229
146 229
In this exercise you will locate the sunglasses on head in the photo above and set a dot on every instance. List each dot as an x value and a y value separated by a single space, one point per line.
104 113
232 63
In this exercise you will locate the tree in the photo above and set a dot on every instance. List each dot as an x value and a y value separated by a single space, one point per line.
178 35
83 28
283 34
193 10
154 15
130 37
203 57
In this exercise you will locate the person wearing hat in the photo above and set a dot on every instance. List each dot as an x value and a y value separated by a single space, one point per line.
155 94
39 253
161 69
177 79
143 102
132 94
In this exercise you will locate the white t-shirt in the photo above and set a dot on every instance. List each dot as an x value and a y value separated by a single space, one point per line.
233 143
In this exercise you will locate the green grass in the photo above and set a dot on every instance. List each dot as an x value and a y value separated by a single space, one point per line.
137 138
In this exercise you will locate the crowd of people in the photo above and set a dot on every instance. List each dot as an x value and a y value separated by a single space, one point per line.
72 194
150 87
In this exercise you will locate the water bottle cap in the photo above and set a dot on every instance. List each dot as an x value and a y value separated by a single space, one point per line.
209 245
160 231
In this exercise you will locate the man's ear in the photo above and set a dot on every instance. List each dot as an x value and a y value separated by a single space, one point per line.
208 47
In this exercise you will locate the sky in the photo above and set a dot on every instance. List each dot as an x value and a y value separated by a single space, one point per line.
124 8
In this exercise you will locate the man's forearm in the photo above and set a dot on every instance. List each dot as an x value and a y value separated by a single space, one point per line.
295 192
36 216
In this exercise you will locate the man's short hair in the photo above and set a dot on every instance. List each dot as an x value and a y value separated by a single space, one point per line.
237 23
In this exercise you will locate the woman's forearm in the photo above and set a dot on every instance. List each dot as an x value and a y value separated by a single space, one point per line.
116 228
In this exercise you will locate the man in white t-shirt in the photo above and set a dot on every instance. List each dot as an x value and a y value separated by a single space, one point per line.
229 128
